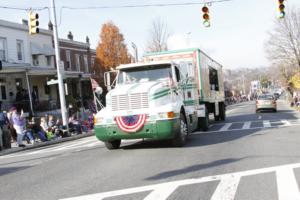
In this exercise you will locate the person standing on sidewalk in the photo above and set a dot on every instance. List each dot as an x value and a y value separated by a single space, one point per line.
19 125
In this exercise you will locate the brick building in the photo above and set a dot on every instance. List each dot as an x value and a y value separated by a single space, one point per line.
78 59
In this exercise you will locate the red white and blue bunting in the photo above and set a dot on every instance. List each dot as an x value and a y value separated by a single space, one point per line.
131 124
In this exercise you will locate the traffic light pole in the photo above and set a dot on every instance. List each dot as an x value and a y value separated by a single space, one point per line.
61 88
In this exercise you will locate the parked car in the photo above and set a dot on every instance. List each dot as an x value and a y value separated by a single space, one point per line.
266 102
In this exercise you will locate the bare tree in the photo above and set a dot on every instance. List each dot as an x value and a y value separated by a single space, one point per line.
158 36
284 42
283 46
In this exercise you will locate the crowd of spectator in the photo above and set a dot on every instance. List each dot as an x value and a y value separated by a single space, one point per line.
30 130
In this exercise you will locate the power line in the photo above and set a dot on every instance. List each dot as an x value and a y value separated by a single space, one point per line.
24 9
144 5
113 7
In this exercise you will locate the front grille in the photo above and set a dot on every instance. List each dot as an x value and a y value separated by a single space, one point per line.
130 102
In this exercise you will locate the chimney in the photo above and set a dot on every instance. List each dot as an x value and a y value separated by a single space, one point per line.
70 35
50 26
87 39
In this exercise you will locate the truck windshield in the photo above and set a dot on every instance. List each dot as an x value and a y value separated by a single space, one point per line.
145 74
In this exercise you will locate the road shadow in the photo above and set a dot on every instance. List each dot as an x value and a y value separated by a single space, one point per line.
8 170
193 168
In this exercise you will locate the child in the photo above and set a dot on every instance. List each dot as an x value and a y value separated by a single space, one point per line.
37 129
45 128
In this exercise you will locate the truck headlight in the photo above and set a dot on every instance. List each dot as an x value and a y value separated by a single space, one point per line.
98 120
166 115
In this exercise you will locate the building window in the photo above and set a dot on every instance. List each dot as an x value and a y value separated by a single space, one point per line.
3 92
35 60
85 59
20 50
3 49
92 61
19 84
77 58
3 89
68 59
47 89
48 60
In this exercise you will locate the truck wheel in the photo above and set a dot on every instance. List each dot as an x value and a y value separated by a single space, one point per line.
217 117
179 139
222 111
115 144
203 122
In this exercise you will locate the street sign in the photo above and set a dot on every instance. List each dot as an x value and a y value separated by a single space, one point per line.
52 82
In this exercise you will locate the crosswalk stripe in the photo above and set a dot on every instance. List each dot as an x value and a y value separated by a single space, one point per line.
266 124
57 148
246 125
286 184
161 193
286 122
227 188
226 127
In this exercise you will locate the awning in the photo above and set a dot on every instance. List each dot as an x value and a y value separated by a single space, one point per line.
41 71
14 67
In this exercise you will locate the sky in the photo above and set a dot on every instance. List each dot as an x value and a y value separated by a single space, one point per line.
236 39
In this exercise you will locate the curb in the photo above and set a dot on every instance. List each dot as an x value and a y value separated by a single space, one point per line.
43 144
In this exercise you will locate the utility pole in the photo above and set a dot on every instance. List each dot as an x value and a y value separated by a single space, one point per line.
59 67
135 52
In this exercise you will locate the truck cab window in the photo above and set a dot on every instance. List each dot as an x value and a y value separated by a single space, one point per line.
213 79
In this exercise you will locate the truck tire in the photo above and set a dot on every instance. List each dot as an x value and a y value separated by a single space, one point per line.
203 122
217 117
179 139
222 111
115 144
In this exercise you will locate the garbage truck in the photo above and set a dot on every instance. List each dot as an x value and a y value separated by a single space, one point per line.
167 96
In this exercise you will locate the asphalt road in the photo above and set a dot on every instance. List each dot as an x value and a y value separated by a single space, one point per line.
249 156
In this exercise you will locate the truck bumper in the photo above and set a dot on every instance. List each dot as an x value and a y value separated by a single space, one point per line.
161 129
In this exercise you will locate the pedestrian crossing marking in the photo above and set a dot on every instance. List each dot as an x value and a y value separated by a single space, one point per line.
287 184
266 124
246 125
258 124
161 193
226 189
226 127
286 122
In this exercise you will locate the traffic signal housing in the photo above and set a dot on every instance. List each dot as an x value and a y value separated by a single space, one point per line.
206 16
33 23
281 8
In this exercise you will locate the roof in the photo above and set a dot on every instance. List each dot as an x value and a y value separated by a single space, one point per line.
133 65
179 51
77 43
22 27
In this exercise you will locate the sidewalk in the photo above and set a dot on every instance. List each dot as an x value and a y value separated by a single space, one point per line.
15 149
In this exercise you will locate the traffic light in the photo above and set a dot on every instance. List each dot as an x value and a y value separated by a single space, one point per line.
33 23
206 17
281 9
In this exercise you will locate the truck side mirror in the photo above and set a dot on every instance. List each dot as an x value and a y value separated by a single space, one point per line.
108 77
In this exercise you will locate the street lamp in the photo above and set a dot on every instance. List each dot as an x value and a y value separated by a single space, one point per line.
135 52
